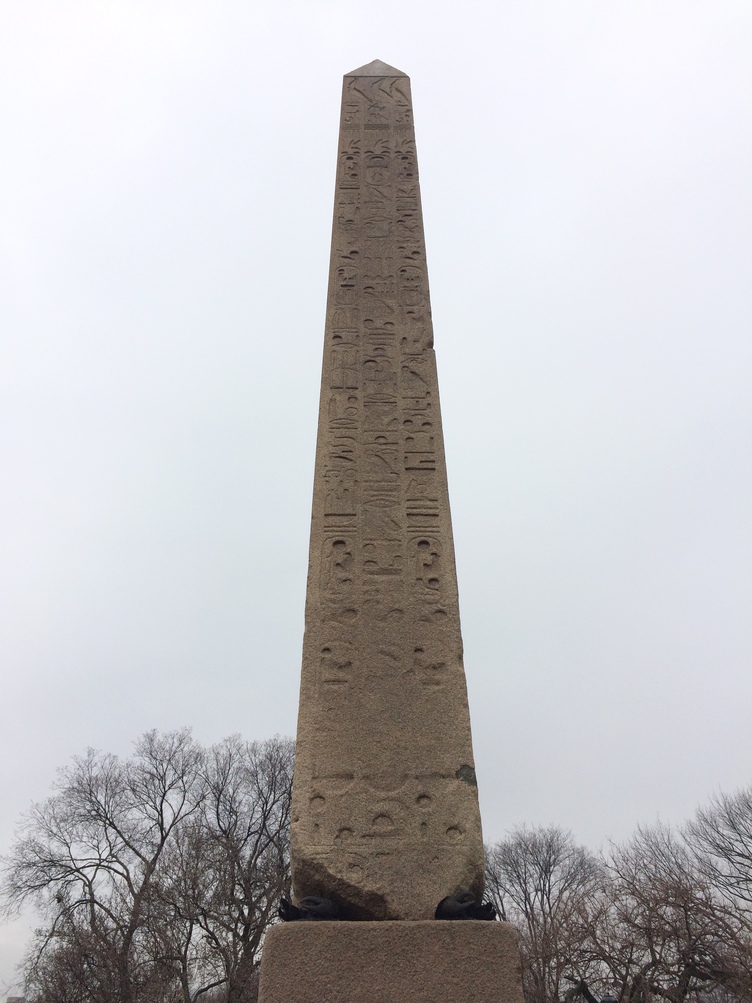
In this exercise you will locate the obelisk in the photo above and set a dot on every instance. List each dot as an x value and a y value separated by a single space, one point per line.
385 807
385 820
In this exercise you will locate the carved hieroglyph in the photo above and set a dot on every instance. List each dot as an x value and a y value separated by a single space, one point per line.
385 806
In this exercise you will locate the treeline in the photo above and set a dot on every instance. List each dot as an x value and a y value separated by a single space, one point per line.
157 876
666 916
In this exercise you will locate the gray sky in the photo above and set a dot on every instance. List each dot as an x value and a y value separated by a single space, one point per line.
165 201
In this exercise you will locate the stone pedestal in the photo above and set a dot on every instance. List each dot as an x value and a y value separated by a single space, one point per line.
391 962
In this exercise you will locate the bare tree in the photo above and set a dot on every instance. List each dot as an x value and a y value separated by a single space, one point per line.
645 923
665 933
157 875
545 884
231 863
88 856
721 838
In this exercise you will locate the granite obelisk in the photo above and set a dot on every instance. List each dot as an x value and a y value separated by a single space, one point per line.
385 820
385 808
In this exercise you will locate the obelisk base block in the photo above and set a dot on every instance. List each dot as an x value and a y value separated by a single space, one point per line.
391 962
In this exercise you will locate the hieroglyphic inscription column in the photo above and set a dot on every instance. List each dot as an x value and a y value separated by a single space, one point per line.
385 808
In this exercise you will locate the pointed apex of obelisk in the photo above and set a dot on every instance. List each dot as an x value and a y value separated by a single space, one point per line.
376 69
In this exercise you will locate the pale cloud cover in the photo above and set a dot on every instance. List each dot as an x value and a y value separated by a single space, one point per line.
165 210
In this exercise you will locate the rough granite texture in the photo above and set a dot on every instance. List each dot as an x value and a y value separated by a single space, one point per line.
474 962
385 807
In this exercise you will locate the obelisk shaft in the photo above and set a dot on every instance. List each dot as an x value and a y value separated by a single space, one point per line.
385 809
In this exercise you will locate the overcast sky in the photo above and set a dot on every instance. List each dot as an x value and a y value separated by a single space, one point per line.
166 187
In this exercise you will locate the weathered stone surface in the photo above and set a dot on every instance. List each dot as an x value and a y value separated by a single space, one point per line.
385 808
391 963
